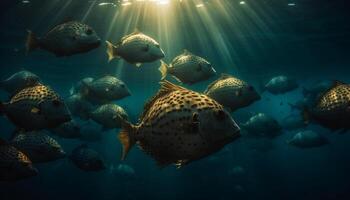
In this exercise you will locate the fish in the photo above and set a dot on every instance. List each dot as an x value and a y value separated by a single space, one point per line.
14 165
231 92
135 48
38 146
179 126
281 85
188 68
79 106
332 109
18 81
126 171
308 139
80 85
36 108
68 130
105 89
66 39
87 159
109 116
292 122
262 125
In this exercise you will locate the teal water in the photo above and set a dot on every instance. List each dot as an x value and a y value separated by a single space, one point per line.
308 41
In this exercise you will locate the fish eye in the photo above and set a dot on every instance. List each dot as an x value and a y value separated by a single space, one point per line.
89 31
250 88
56 103
220 115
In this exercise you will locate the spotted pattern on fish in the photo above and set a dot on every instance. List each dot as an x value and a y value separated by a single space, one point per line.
10 153
335 100
37 93
168 130
140 37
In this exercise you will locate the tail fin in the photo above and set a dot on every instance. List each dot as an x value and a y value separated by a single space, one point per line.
111 51
163 69
32 42
126 137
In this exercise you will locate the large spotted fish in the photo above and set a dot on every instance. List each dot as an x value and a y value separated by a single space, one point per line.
179 126
36 108
65 39
135 48
14 165
232 92
188 68
332 109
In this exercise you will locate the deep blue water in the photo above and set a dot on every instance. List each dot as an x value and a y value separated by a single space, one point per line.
256 41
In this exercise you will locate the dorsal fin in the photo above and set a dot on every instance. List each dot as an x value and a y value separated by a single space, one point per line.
187 52
222 77
136 31
337 83
165 88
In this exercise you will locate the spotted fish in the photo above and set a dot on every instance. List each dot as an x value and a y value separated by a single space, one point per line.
36 108
232 92
188 68
66 39
87 159
332 109
136 48
18 81
179 126
38 146
14 165
109 116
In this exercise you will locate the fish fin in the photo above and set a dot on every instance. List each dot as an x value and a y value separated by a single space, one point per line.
166 88
178 80
111 51
71 90
163 69
136 31
32 42
187 52
138 64
337 83
180 163
126 137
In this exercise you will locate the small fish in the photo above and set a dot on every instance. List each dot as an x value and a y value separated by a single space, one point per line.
36 108
136 48
179 126
38 146
14 165
65 39
126 171
308 139
292 122
79 106
18 81
69 129
232 92
105 90
188 68
109 116
263 125
87 159
78 88
281 85
332 109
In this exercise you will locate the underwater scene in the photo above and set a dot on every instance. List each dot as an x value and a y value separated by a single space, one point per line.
174 99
